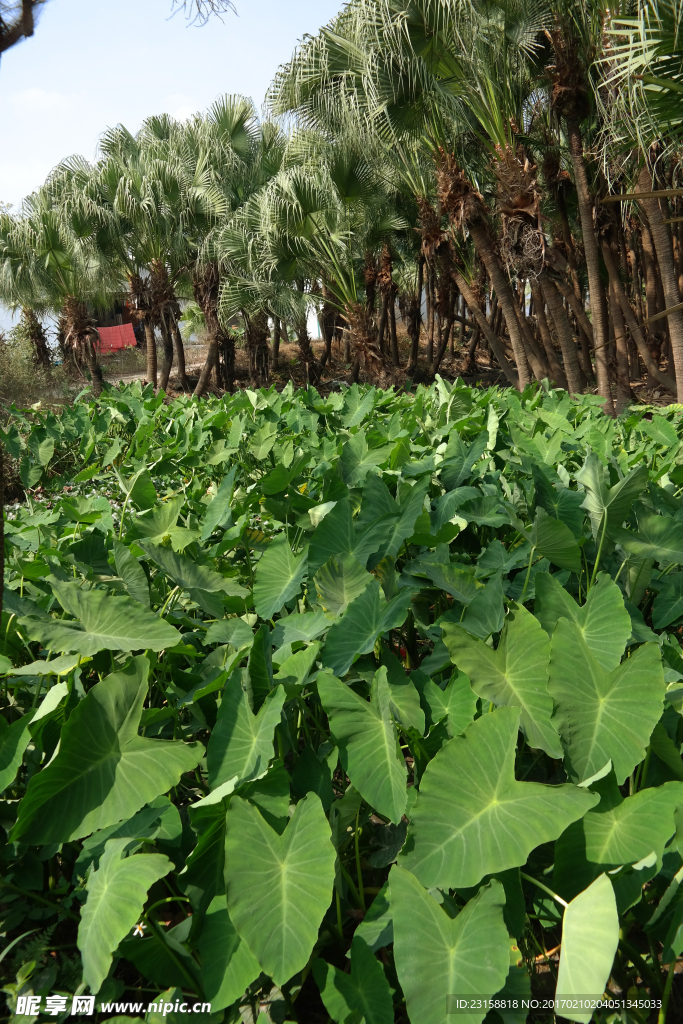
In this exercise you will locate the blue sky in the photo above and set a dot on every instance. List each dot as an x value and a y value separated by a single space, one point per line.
92 64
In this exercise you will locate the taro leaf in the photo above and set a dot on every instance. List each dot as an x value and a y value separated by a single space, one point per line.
377 927
158 523
438 958
555 541
334 535
188 574
603 621
294 671
401 519
603 716
658 537
366 618
490 822
405 699
311 775
278 577
485 613
218 511
456 580
139 489
607 506
559 502
229 631
457 703
131 572
116 895
14 739
365 991
42 451
590 935
387 842
304 626
357 459
368 743
341 579
279 887
104 622
161 958
459 459
104 772
228 965
638 576
259 675
618 831
514 675
660 430
668 605
262 440
485 511
241 743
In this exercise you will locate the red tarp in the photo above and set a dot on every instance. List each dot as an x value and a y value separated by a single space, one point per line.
113 338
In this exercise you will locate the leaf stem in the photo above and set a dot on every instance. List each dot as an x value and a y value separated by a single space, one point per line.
661 1019
528 574
39 899
602 541
359 873
545 888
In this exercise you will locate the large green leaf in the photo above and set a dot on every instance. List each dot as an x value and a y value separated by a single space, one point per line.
339 581
278 577
603 716
132 573
438 958
368 742
14 740
228 965
188 574
104 772
514 675
364 992
668 604
559 502
218 511
357 459
367 617
609 506
489 822
103 623
456 702
590 935
241 743
603 620
279 887
617 832
116 894
553 539
658 537
460 457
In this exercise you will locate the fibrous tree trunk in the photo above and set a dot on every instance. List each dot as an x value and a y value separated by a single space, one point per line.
590 246
151 351
563 330
557 373
167 346
179 352
492 338
663 248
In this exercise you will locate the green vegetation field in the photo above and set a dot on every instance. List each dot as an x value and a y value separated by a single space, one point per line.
342 708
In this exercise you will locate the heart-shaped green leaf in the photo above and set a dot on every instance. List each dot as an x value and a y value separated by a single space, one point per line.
366 618
603 620
188 574
103 623
339 581
514 675
279 887
228 965
590 935
116 894
489 822
278 577
241 743
603 716
104 772
439 959
365 991
368 743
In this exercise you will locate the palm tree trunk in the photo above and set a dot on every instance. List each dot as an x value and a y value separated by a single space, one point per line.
415 318
665 379
275 348
381 330
94 367
151 352
492 338
211 360
167 345
501 286
564 334
395 360
590 246
662 243
179 353
558 374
